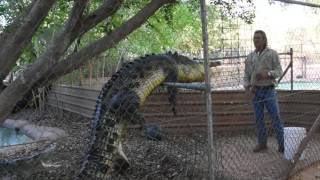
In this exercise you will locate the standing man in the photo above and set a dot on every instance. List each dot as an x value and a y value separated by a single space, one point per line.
262 67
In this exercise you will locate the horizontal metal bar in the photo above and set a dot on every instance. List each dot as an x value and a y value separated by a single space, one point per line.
236 57
284 73
300 3
193 86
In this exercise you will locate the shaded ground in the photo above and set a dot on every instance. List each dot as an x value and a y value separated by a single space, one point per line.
171 158
175 157
68 152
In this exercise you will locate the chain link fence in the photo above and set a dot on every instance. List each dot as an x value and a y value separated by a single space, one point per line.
297 94
119 120
171 142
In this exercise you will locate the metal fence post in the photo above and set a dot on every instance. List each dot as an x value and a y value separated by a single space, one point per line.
291 62
208 88
302 146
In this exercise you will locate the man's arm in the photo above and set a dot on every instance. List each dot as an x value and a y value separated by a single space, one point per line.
247 74
276 66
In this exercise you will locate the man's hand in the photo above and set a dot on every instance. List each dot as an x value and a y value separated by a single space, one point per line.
249 93
263 75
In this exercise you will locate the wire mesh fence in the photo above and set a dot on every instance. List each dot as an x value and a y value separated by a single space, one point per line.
124 122
235 150
151 155
169 137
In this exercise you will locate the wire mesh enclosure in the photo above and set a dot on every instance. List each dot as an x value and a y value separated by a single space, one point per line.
145 118
172 142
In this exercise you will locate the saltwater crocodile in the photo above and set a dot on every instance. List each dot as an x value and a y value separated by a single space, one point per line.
119 102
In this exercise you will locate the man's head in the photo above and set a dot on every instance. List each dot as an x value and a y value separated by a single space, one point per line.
260 40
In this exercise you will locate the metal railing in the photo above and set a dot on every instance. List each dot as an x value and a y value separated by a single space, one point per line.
217 62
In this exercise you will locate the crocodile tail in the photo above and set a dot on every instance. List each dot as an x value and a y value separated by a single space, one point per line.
118 104
101 103
107 154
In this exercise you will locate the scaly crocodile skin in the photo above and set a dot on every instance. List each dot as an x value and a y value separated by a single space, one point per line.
119 102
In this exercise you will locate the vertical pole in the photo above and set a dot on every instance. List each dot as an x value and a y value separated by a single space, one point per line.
80 76
304 67
208 87
90 73
291 62
302 147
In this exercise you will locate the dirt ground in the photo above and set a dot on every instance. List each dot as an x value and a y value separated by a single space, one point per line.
310 173
174 157
169 158
67 154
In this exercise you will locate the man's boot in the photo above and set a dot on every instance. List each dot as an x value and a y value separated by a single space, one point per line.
260 147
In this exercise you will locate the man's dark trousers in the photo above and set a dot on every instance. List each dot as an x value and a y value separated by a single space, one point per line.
267 97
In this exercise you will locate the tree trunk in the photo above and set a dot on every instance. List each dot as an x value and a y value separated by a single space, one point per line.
19 34
74 27
21 86
37 73
37 12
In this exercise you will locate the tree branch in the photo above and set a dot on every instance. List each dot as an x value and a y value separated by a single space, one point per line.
66 36
15 91
108 8
40 69
21 32
314 5
9 29
76 60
